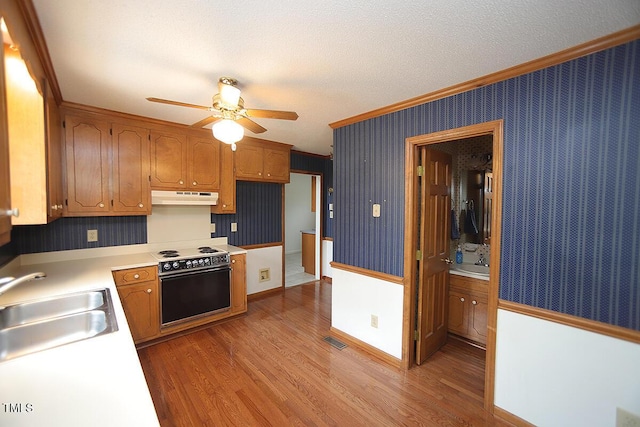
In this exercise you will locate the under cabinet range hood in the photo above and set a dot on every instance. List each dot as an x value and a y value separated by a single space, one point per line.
185 198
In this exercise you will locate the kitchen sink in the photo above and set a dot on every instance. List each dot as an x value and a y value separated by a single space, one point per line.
472 268
43 324
33 311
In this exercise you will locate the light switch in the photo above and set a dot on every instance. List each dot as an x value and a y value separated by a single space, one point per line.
376 210
213 228
330 214
234 227
330 206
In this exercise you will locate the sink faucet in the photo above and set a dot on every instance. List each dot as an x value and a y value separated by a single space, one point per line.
7 283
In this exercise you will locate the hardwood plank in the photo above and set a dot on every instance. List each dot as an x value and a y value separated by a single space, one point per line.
272 368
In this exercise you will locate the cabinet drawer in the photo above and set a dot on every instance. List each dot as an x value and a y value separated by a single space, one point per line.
135 275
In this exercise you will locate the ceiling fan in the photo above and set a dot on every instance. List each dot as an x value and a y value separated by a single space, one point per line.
229 117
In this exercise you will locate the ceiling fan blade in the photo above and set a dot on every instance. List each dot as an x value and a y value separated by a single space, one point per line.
250 125
180 104
272 114
205 121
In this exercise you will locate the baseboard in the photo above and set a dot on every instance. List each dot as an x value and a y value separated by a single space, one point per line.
327 279
508 417
371 350
262 294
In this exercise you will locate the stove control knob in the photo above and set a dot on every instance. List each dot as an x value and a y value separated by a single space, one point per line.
201 261
176 265
188 263
207 261
166 266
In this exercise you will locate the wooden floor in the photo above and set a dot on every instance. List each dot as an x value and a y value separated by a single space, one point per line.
272 368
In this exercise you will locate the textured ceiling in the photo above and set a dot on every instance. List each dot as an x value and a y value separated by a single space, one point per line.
326 60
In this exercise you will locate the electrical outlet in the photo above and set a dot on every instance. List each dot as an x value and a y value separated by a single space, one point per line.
213 228
92 235
626 418
264 275
374 321
234 227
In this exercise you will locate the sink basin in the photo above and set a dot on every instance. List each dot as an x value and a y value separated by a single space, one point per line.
43 324
472 268
33 311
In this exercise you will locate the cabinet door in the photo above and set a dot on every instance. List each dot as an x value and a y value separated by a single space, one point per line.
130 150
458 317
5 184
249 162
87 146
227 194
141 306
238 283
203 160
478 319
54 139
168 161
276 165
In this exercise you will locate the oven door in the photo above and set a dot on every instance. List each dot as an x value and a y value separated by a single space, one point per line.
192 294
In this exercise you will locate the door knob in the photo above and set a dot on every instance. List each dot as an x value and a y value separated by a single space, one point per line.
447 260
10 212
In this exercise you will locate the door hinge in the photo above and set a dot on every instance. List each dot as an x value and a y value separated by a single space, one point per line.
64 124
420 171
418 255
110 131
416 335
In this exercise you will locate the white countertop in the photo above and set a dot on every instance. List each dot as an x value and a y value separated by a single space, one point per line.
95 382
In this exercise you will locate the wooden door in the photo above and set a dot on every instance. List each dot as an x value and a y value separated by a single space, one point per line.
53 123
203 160
478 311
457 318
435 218
130 150
168 161
227 194
238 283
87 146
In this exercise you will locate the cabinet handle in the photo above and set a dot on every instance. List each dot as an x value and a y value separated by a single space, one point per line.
59 206
136 276
462 299
233 261
181 182
54 207
10 212
268 174
194 183
101 205
260 173
474 302
140 205
149 290
224 206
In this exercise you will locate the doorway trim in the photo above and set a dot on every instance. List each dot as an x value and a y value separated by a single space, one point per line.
494 128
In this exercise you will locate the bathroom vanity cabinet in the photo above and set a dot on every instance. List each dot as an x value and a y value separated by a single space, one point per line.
468 299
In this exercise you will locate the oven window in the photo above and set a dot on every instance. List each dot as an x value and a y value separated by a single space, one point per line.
193 294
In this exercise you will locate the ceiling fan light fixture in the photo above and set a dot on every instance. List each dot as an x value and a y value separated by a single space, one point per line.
228 131
229 93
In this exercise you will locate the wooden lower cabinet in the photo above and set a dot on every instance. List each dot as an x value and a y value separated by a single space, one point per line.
138 290
468 308
238 283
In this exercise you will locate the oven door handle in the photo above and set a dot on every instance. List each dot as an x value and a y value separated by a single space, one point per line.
182 273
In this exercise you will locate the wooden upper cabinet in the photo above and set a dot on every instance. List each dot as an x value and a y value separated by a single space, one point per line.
107 168
227 194
130 150
55 150
203 160
276 165
168 161
87 146
181 163
262 161
249 160
5 187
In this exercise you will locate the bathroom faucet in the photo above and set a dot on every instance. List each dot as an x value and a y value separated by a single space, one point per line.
7 283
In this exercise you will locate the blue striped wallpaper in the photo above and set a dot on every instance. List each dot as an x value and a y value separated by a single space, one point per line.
258 215
571 184
71 233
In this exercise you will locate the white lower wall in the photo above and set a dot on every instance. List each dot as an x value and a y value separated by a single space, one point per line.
327 257
356 297
257 259
555 375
